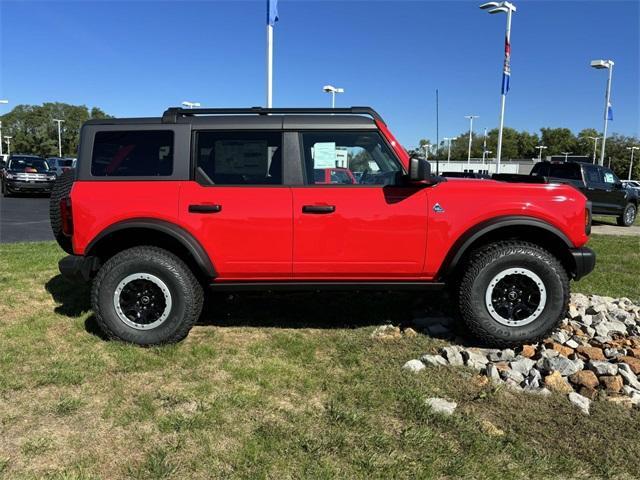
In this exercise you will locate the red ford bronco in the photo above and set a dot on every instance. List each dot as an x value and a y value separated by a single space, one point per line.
160 209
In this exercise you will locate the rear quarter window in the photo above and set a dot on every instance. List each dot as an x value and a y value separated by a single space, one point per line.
130 153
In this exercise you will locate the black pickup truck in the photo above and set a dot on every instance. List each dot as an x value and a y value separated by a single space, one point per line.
600 185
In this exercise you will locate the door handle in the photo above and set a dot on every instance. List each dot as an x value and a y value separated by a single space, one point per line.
318 209
205 208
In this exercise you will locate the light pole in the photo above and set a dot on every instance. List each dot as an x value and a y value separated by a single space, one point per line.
470 118
332 90
448 139
566 155
600 64
59 122
4 102
426 147
8 140
508 8
633 149
484 155
595 147
540 148
190 105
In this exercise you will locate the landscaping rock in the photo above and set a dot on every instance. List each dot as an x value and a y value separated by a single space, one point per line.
579 401
442 406
414 366
386 332
595 353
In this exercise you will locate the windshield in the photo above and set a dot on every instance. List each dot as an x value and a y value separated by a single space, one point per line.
65 163
28 165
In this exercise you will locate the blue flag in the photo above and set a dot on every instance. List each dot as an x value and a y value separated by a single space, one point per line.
609 112
272 12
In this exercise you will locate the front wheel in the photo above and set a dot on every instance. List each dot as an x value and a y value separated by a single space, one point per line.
147 296
628 215
513 293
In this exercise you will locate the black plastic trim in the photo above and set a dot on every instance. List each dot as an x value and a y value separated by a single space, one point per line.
194 247
78 268
460 247
330 286
585 261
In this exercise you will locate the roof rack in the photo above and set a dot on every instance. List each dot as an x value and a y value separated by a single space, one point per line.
171 114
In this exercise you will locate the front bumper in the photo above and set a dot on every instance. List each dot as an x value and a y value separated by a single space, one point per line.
17 186
78 268
585 261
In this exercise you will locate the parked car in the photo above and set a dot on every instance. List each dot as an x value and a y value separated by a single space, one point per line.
226 199
61 165
27 174
632 184
342 176
599 184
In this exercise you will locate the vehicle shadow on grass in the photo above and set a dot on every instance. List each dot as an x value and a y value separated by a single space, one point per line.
330 310
74 300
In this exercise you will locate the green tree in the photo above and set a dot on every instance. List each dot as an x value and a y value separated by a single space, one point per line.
558 140
34 131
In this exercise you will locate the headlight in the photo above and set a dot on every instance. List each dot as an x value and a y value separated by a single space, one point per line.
51 178
9 176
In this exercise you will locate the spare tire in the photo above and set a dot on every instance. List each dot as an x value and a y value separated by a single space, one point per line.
61 189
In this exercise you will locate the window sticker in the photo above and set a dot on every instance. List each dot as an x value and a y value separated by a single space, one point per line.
608 178
241 157
324 155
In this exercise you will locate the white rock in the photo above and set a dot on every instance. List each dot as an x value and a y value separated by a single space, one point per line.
628 376
603 368
434 360
440 405
579 401
414 366
453 355
522 365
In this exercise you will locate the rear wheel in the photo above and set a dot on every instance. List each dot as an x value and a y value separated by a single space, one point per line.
147 296
628 215
513 293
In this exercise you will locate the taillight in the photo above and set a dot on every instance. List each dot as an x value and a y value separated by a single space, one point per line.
66 216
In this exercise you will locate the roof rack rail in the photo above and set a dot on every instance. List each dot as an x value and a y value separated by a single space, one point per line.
171 114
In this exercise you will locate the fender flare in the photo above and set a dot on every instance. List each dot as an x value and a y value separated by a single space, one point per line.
464 241
186 239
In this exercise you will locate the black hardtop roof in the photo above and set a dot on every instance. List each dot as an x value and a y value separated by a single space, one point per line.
258 117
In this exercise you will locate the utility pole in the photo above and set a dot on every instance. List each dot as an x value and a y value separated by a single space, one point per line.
540 148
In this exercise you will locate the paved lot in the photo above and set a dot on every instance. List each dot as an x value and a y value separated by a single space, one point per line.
604 229
24 219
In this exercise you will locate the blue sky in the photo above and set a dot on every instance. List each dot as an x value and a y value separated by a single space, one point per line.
136 58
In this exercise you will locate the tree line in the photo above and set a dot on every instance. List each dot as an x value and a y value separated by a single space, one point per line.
522 145
33 131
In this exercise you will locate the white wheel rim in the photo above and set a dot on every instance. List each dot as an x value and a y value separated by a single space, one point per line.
533 282
166 295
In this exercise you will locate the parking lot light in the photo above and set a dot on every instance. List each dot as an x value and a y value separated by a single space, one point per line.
608 64
470 118
7 139
59 122
332 90
595 146
540 148
448 140
190 105
633 149
566 155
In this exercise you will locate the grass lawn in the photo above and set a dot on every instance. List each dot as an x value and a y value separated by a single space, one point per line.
282 386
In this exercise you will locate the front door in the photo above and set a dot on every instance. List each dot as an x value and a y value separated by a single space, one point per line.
238 207
371 229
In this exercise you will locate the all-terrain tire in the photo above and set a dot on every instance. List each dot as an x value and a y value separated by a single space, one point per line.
628 215
478 285
184 295
61 189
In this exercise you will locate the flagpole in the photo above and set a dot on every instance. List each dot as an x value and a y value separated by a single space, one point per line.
269 65
503 99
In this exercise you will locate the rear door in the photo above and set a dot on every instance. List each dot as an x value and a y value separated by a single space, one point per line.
373 229
616 194
238 206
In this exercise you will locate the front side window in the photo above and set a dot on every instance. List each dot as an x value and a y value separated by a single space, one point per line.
132 153
348 158
239 158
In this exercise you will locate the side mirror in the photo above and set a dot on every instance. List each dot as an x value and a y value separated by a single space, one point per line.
419 170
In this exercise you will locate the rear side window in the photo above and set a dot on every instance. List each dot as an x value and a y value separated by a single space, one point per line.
239 158
592 174
131 153
567 171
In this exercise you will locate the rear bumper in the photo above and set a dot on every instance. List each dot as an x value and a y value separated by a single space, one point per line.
78 268
585 261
